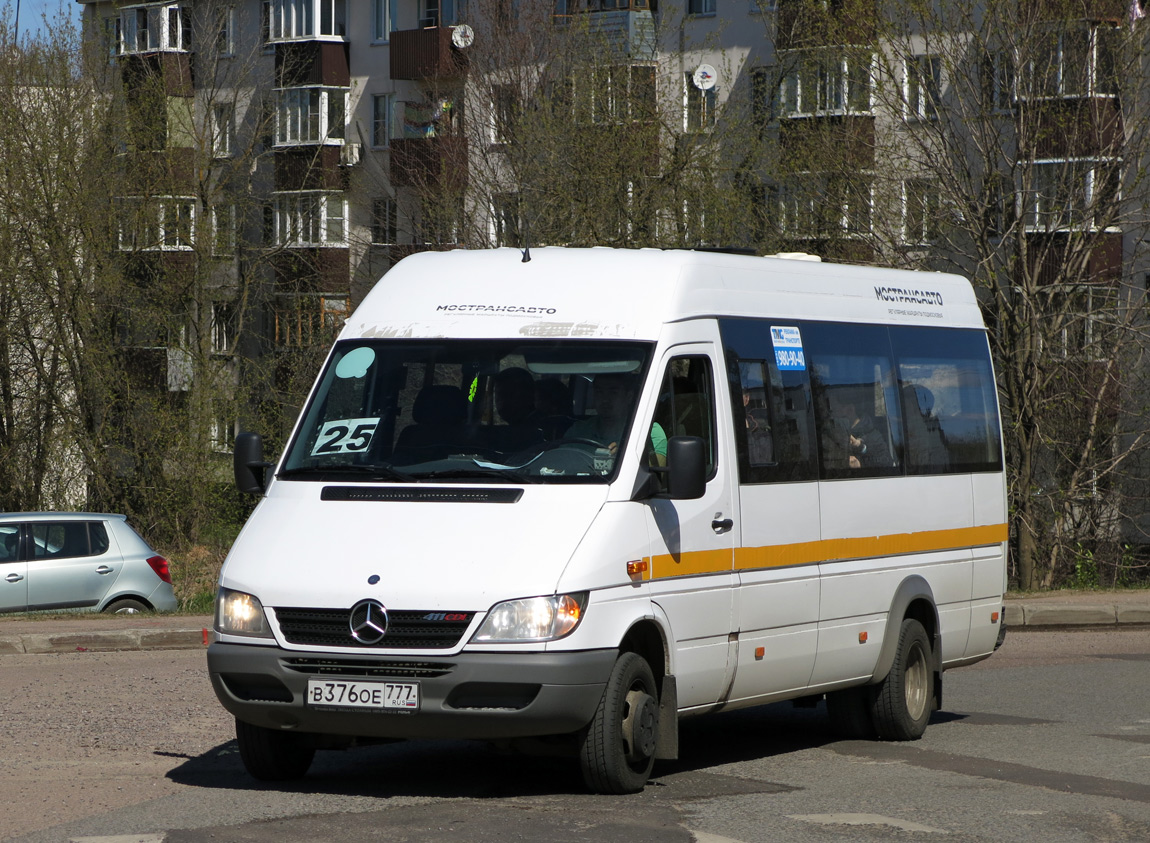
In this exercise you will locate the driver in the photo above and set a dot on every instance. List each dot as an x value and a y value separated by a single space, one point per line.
613 395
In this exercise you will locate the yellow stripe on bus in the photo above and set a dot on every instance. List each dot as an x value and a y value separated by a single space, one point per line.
697 562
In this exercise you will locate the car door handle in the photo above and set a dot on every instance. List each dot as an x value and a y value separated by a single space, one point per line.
723 525
14 577
104 569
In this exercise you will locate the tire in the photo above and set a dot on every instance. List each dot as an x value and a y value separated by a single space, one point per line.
617 749
851 713
271 755
903 704
127 606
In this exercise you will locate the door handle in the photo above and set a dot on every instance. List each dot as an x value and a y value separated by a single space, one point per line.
723 525
104 569
14 577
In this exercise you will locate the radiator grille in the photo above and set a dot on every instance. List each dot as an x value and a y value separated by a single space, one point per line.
412 630
369 669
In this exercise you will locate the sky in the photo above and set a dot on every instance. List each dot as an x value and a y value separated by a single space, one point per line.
32 12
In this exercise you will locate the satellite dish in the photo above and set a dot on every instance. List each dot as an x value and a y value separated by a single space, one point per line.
463 36
704 77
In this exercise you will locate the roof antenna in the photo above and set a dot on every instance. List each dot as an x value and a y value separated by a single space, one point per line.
526 241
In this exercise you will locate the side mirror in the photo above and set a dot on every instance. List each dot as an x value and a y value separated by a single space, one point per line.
248 463
686 467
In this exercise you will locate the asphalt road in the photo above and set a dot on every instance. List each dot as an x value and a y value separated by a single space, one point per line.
1049 739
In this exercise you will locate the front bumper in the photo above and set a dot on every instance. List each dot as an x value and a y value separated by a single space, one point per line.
480 696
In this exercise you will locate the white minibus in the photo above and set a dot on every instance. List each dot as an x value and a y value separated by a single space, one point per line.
570 497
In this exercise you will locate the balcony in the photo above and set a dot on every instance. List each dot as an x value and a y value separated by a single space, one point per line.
433 162
628 33
418 54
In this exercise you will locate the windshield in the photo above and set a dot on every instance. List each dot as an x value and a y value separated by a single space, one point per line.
503 410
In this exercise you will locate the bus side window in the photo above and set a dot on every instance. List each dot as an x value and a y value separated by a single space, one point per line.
948 401
771 407
856 400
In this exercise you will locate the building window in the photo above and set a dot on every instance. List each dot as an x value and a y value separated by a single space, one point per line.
223 430
826 82
381 16
698 106
295 19
505 220
1077 61
813 205
310 219
310 115
998 81
437 12
161 224
923 87
223 130
307 321
224 327
224 230
146 29
1072 193
113 38
923 207
700 7
504 108
383 222
1087 320
618 94
225 31
382 108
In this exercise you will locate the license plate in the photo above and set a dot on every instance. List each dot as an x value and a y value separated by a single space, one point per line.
396 696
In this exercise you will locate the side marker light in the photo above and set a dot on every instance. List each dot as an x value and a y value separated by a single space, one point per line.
635 568
862 637
994 617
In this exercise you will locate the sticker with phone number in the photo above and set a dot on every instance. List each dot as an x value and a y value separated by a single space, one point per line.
344 436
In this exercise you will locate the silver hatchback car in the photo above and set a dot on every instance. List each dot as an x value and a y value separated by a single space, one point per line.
79 560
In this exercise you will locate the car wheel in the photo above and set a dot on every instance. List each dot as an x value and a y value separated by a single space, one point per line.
127 606
902 706
617 750
271 755
850 712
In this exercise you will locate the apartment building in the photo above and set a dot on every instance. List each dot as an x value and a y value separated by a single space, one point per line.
286 153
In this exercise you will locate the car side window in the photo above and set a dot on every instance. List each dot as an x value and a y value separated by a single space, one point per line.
9 543
60 540
98 537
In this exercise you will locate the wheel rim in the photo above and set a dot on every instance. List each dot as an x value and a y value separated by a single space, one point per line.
916 681
638 727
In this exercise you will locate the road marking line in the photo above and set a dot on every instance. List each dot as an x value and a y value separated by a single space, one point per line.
864 819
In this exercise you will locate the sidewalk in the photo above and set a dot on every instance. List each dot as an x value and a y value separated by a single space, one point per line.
90 632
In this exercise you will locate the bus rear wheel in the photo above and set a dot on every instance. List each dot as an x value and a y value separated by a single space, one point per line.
903 704
617 750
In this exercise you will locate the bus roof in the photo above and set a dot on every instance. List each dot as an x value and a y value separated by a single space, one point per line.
631 293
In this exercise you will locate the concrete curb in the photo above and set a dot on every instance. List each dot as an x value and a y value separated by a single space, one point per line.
35 643
1038 614
1123 611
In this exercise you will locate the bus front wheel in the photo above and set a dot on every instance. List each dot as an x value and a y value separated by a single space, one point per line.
903 703
617 750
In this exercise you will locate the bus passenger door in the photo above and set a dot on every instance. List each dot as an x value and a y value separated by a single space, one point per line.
692 541
778 593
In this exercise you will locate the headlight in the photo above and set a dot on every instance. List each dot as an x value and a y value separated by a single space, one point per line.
238 613
533 619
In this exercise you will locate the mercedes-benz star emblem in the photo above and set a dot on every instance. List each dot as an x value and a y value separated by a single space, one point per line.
368 621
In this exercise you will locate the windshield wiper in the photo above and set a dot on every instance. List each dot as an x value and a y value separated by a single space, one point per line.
361 472
507 475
